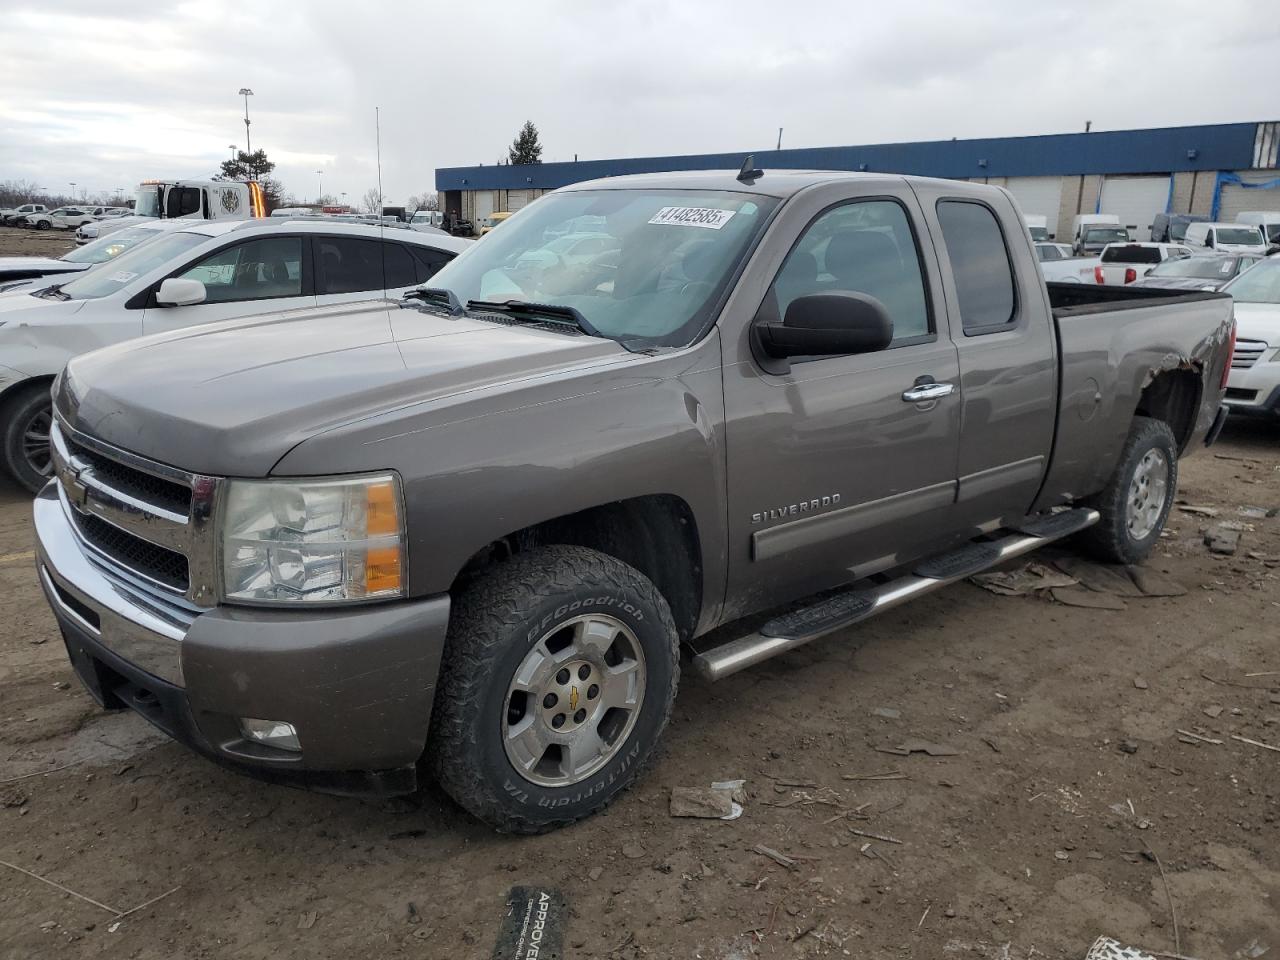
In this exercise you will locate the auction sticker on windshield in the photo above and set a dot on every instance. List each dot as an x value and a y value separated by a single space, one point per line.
122 276
709 217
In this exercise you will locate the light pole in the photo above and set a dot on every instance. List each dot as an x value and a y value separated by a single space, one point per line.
344 198
320 178
73 191
246 93
232 148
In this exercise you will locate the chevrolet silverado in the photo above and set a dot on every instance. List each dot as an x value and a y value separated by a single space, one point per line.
468 535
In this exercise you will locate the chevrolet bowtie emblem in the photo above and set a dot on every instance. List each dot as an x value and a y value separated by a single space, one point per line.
573 698
78 492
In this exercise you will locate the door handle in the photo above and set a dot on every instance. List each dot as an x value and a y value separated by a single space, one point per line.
923 392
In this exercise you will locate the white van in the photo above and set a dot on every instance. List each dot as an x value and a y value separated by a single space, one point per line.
1265 220
427 218
1038 225
1226 237
1090 232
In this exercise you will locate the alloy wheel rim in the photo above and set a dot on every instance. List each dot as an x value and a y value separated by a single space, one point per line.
1148 491
573 700
35 443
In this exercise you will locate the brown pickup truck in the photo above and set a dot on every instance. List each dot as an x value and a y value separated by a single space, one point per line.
468 535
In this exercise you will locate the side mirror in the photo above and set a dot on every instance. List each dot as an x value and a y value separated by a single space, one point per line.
177 292
828 323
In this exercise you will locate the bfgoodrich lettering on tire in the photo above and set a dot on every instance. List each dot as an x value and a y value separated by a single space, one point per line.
557 682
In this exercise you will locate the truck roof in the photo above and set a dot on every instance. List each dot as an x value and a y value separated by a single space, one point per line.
771 183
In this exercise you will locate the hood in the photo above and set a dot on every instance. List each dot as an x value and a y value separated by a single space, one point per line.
233 398
36 309
14 268
1258 321
1180 283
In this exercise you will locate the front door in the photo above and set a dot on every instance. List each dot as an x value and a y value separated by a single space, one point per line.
240 280
835 469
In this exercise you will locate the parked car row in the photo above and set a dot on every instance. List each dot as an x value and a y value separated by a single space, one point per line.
36 216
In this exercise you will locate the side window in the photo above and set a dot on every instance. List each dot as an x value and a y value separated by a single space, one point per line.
979 263
866 246
347 265
183 202
401 270
255 270
429 262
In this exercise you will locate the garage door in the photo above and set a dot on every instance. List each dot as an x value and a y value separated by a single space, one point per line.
517 199
1136 201
1236 199
483 206
1038 196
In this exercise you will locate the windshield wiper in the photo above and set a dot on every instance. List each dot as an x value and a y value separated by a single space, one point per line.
437 297
546 312
54 293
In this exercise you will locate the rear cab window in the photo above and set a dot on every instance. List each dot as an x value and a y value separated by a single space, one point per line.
980 266
1131 254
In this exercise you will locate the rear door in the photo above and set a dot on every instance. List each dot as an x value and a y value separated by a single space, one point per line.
1004 336
351 269
240 279
835 471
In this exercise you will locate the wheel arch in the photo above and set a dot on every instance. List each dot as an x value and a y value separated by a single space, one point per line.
656 534
1173 395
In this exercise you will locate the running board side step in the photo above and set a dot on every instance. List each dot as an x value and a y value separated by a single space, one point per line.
795 629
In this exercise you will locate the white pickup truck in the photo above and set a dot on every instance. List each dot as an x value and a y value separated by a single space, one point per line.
15 216
1122 263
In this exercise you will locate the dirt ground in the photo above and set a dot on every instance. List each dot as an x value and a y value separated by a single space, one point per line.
35 243
1039 835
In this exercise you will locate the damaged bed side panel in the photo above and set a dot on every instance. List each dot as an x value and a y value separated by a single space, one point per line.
1120 359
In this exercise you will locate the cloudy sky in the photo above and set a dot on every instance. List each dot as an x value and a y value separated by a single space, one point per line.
108 93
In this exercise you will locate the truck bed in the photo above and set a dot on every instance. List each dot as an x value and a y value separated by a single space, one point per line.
1112 343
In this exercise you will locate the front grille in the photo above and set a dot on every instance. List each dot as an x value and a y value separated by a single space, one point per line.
147 487
1248 352
147 559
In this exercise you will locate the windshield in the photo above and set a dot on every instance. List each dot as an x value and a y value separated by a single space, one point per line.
650 266
1203 268
131 265
1131 254
1105 235
1239 235
110 246
1178 229
148 202
1039 233
1259 284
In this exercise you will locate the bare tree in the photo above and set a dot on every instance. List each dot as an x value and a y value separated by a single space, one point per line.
427 200
372 201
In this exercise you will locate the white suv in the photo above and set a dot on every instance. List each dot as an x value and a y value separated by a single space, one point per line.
211 270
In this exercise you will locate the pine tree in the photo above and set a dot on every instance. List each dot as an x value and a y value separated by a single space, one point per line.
525 148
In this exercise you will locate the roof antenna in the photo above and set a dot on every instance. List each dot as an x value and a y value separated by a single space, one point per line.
749 173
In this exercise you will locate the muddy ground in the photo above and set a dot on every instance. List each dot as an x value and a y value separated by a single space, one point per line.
1039 835
36 243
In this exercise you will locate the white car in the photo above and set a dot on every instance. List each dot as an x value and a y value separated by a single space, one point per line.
24 272
208 270
1058 265
1254 383
1122 263
1227 237
64 218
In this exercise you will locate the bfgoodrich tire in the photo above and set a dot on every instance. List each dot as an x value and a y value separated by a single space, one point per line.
25 419
557 682
1136 501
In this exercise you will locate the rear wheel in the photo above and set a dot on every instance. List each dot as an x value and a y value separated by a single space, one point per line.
556 685
1136 501
43 224
25 422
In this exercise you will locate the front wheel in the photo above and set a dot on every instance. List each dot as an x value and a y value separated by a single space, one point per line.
1136 501
43 224
557 682
25 421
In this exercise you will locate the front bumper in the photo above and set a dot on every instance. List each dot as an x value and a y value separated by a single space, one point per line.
357 684
1256 389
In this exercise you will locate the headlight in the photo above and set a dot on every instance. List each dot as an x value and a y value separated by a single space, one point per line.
318 540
